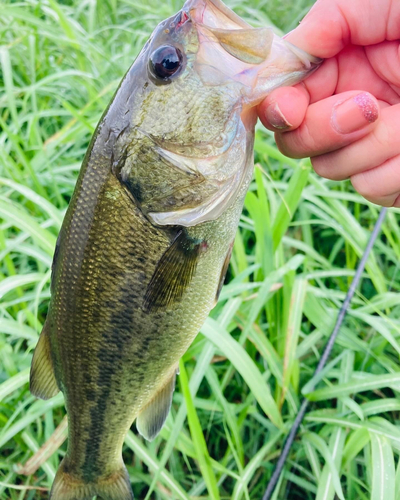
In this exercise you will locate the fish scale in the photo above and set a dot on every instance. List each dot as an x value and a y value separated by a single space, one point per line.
126 285
168 112
146 240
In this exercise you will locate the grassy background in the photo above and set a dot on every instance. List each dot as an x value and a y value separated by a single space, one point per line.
299 240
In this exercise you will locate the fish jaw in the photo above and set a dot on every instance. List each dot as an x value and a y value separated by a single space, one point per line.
255 58
286 65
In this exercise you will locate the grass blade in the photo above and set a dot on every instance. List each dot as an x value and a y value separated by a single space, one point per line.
383 476
245 366
196 432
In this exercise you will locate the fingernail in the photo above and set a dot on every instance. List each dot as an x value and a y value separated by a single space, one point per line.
355 113
276 118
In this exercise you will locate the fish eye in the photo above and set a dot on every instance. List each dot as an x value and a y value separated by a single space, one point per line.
165 62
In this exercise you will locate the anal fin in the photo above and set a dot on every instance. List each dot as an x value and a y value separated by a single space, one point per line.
43 382
153 416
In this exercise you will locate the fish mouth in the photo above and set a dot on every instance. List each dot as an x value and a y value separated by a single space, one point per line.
232 50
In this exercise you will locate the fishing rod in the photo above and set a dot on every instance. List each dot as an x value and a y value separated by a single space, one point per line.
276 474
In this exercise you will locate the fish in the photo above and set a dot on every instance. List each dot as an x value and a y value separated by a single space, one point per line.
145 244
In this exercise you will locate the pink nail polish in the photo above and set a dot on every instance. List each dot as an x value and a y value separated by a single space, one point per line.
276 118
355 113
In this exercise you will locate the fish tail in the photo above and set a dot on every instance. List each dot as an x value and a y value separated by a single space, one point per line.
115 486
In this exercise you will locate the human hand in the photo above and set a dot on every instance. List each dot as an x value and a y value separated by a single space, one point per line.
346 116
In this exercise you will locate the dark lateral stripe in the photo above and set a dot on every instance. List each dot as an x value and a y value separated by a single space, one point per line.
116 336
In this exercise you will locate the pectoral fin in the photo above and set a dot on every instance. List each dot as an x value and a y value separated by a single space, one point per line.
153 416
43 382
251 46
173 273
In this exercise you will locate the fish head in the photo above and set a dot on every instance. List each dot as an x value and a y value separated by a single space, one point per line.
207 45
197 82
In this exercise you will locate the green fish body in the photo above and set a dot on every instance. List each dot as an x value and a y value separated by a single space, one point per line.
146 241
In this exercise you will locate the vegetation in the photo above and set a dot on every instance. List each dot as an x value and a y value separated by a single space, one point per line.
241 381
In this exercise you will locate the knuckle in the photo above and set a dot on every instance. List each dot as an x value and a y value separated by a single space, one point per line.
318 166
325 166
304 141
283 143
363 184
298 143
382 136
396 202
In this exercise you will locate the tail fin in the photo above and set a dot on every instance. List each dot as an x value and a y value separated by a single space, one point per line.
116 486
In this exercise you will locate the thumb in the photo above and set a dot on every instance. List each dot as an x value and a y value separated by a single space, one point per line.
332 24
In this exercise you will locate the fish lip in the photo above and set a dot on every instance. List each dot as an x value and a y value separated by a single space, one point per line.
184 18
311 62
218 12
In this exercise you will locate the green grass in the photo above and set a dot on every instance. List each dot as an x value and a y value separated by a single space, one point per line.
299 241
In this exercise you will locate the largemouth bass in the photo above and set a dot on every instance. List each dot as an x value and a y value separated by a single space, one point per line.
146 241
